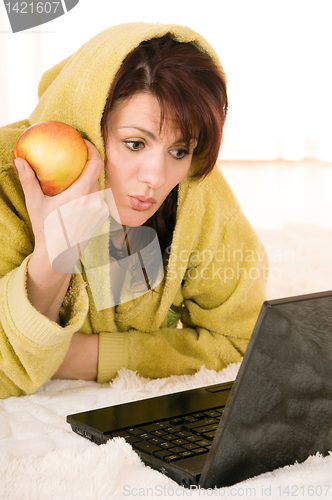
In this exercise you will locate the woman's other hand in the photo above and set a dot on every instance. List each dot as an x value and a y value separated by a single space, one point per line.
81 360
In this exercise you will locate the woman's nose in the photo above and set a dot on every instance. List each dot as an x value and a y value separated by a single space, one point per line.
153 171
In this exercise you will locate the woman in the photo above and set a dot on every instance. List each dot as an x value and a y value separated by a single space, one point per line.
151 102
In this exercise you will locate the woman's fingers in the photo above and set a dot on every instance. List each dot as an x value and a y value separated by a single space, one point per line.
87 182
93 152
94 165
29 181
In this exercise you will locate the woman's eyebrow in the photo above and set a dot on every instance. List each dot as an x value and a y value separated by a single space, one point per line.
147 132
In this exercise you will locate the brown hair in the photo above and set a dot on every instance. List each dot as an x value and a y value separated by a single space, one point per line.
192 88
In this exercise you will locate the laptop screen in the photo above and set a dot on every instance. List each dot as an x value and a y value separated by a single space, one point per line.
280 407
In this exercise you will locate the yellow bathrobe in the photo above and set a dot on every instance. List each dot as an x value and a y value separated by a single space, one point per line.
215 280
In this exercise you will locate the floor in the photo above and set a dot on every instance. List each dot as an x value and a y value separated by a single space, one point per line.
274 193
290 206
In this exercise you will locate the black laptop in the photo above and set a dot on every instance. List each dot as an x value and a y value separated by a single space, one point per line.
277 412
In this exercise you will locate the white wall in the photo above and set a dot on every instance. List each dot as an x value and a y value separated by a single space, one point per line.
276 54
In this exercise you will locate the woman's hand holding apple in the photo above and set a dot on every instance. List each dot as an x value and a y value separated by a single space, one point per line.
46 286
40 206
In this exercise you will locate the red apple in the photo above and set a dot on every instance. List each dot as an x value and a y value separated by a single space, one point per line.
56 152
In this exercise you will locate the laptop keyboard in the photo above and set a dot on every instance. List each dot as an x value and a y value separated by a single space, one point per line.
176 438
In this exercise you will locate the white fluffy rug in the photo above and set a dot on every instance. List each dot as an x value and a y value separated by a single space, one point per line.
41 458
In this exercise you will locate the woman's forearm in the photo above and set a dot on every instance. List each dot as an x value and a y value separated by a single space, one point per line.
46 287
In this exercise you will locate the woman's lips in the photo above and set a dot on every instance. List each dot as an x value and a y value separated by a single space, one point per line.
142 203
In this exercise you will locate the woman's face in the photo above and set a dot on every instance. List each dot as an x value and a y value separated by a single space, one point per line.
143 164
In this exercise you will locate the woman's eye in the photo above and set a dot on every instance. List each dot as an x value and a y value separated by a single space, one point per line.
179 154
134 145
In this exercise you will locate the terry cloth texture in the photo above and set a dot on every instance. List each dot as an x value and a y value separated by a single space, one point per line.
216 274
